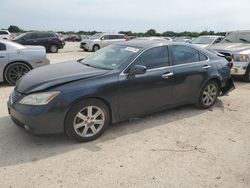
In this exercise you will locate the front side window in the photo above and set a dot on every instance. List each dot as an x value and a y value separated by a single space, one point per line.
106 37
184 54
154 58
2 47
237 37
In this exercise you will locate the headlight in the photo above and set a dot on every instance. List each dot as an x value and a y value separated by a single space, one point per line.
39 98
241 58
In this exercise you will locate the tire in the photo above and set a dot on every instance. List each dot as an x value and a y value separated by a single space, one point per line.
96 48
80 121
246 77
208 95
53 48
15 71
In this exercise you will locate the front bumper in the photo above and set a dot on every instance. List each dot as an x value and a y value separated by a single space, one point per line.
36 120
84 46
239 68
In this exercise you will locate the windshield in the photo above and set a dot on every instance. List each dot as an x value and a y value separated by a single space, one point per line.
237 37
20 36
110 57
96 36
203 40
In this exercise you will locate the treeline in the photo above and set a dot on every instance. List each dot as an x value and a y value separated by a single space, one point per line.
150 32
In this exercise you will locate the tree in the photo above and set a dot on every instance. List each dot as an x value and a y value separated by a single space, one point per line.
151 32
14 29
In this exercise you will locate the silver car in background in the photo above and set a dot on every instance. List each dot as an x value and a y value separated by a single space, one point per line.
206 40
236 46
101 40
16 60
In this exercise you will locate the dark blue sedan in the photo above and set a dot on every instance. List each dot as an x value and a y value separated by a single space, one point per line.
122 81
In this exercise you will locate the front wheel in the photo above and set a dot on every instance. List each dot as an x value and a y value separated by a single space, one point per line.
15 71
208 95
87 120
53 48
96 48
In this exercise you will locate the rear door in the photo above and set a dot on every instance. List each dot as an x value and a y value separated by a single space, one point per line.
190 69
151 91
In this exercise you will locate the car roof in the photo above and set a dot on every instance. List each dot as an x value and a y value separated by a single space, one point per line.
144 43
211 36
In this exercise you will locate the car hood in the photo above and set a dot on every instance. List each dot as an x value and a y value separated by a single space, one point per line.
52 75
232 47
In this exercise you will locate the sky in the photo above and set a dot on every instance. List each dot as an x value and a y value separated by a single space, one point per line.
125 15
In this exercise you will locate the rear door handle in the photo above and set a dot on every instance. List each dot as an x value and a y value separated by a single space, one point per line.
167 75
206 66
2 56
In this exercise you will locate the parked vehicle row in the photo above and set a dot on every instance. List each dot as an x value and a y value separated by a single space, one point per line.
16 60
118 82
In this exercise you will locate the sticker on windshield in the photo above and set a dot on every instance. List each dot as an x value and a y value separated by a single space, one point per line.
131 49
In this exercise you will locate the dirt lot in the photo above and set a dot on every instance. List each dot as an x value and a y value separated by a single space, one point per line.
183 147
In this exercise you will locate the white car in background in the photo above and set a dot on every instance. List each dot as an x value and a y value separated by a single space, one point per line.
206 40
5 34
101 40
16 60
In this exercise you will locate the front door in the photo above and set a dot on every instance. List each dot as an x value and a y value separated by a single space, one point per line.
151 91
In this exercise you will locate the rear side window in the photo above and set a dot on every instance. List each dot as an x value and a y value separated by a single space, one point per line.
45 35
2 47
3 33
203 57
154 58
184 54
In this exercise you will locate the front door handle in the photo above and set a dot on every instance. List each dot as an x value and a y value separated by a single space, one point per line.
167 75
2 56
206 66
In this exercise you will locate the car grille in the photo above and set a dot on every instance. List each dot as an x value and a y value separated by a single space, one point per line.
14 96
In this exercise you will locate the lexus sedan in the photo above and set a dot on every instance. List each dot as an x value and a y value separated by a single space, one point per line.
16 60
121 81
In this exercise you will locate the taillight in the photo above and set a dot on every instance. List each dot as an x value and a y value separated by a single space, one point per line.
230 65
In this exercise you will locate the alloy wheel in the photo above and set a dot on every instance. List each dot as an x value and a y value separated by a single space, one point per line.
15 72
89 121
209 94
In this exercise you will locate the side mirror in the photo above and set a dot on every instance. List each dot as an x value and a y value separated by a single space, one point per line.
137 70
102 38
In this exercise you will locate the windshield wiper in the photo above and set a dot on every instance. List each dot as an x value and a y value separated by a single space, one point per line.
244 40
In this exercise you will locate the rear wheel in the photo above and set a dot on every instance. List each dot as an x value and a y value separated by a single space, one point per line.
208 95
15 71
53 48
87 120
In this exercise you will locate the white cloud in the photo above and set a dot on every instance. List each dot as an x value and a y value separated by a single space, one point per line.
136 15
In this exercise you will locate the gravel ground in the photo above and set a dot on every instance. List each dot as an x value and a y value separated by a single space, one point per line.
182 147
